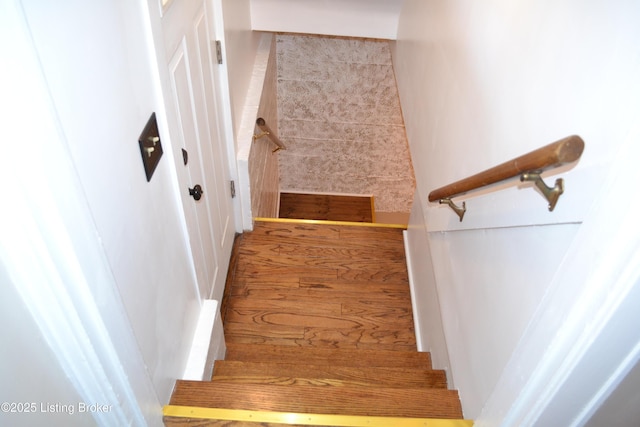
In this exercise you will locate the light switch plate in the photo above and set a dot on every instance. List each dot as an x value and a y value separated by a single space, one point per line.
150 146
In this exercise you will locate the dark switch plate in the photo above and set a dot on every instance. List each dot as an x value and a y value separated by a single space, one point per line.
150 146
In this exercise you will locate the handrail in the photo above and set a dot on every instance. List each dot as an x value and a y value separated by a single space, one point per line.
528 166
266 131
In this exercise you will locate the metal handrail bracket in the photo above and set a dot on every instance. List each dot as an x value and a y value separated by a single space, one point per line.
266 131
528 167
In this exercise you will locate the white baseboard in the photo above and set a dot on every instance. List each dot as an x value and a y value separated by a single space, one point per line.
208 343
414 303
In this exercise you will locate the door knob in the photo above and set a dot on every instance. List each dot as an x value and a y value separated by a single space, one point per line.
196 192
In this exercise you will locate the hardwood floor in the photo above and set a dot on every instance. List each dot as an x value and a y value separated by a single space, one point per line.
321 286
317 321
326 207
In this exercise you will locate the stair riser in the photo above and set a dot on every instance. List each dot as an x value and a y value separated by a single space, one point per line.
276 373
325 356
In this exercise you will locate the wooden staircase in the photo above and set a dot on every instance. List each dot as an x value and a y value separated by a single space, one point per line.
272 380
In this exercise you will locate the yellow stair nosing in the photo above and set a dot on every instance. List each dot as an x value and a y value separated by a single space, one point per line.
325 222
307 419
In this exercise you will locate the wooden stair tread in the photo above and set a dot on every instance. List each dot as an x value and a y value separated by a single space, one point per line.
280 373
318 320
331 207
303 294
327 356
378 401
293 228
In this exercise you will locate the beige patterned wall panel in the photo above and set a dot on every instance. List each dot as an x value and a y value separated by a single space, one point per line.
263 164
340 116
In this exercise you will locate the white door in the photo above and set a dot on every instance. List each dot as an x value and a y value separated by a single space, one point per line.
195 126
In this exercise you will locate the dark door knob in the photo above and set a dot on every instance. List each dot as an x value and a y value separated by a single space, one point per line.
196 192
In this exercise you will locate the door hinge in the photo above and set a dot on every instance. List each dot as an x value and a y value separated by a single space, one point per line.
219 51
233 189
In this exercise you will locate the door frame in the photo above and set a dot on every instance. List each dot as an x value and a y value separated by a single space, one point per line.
223 92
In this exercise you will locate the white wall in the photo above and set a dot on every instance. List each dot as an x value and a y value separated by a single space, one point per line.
96 58
30 368
481 83
240 47
622 408
354 18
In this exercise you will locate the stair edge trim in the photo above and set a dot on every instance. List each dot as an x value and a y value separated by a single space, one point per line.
306 419
325 222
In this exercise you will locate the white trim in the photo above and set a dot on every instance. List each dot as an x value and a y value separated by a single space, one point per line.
208 343
610 384
424 292
414 301
223 96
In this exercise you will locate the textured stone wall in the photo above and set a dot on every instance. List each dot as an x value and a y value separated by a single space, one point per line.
340 116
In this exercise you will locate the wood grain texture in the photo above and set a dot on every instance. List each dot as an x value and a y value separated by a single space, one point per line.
314 285
558 153
326 207
295 373
192 422
264 170
328 356
379 401
318 320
